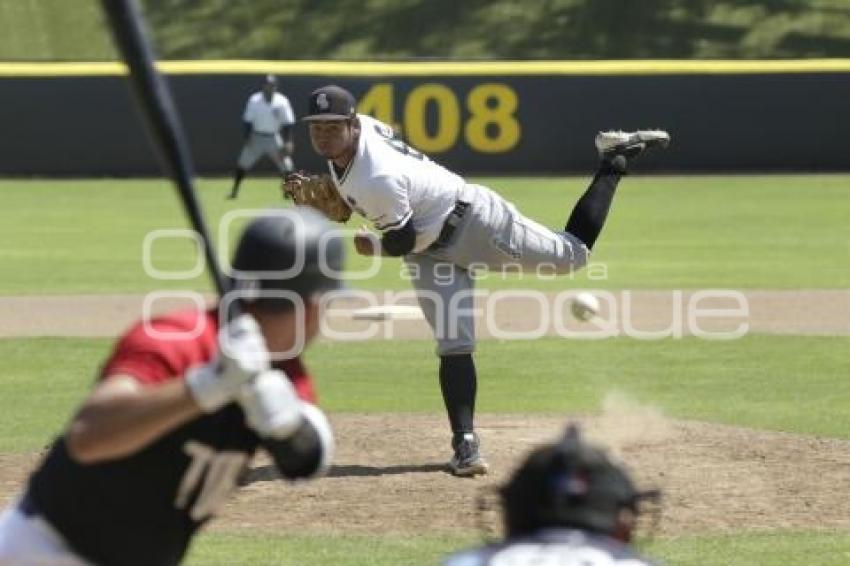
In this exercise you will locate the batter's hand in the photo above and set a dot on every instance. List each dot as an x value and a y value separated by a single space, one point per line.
271 405
242 356
366 242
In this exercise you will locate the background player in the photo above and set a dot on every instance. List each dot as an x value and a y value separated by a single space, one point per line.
174 418
567 504
268 121
436 220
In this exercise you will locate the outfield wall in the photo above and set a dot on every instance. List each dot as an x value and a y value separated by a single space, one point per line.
513 118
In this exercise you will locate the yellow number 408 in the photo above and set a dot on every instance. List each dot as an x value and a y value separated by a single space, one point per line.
492 126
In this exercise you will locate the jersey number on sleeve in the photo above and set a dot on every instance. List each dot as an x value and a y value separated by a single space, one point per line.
399 145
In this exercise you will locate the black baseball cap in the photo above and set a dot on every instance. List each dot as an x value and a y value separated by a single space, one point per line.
270 80
291 250
331 102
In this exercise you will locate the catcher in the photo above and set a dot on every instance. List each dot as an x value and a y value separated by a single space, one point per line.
567 504
441 225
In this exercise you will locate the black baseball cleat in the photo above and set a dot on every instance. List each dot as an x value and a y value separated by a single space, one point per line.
467 460
630 144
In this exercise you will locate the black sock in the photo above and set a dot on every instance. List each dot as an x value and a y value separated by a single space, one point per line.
237 180
590 211
459 383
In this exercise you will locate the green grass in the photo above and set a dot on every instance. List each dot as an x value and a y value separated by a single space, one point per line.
771 382
813 548
85 236
43 380
257 549
777 548
65 30
215 29
774 382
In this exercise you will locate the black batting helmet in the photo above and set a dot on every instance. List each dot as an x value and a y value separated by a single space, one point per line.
287 251
568 484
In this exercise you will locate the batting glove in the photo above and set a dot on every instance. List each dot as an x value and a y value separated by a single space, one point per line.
242 356
271 405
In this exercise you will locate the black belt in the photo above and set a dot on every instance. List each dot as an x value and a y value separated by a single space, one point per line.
450 225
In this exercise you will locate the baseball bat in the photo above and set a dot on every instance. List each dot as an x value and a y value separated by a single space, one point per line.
157 107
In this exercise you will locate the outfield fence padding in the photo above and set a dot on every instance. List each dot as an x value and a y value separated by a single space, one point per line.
478 118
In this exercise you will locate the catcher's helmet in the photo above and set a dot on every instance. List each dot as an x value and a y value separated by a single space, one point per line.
568 484
293 250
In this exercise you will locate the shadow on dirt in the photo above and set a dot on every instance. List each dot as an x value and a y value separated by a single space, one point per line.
270 473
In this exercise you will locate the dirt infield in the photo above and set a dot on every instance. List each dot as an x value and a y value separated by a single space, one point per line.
389 476
799 312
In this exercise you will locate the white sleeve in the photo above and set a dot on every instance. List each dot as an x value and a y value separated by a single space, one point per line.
288 117
248 115
327 446
386 203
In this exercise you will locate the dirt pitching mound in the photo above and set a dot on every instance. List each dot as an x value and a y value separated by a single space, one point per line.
389 475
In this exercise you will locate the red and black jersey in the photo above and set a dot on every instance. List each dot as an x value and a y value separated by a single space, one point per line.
144 508
164 348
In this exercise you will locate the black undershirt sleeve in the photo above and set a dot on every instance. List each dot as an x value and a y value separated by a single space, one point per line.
400 241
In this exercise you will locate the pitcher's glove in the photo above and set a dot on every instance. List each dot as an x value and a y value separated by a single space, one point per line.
319 192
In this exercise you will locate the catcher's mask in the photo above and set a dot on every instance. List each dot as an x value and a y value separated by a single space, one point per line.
570 484
293 250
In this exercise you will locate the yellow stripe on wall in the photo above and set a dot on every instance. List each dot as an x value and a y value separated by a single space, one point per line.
442 68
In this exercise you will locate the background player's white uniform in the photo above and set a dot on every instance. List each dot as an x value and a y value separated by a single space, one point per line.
266 119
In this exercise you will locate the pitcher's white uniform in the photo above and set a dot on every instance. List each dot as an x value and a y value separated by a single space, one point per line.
390 183
266 119
449 231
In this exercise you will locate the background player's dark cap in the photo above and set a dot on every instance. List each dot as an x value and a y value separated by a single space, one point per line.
569 484
331 103
294 250
270 80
